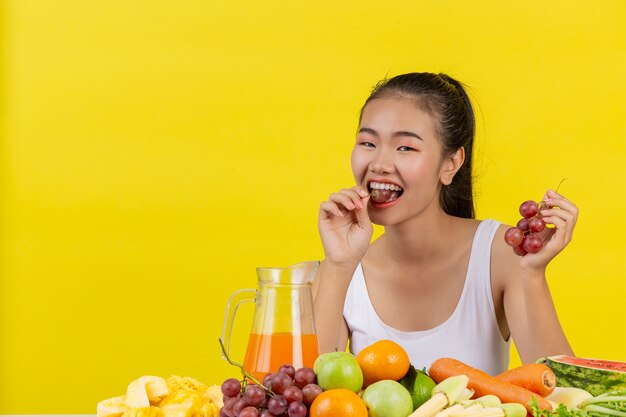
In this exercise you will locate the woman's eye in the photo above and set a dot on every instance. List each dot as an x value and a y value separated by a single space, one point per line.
367 144
405 149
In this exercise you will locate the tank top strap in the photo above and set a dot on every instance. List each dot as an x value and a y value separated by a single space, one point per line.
477 298
480 258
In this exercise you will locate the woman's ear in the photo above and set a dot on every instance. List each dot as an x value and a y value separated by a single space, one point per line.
451 164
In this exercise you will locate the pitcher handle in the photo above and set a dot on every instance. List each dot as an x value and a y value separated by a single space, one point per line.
239 297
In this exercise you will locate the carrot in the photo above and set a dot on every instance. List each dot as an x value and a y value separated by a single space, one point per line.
535 377
484 384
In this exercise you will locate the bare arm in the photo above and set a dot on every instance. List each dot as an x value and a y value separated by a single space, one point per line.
528 304
332 330
532 317
345 230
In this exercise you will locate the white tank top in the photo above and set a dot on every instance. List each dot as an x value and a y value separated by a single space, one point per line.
471 334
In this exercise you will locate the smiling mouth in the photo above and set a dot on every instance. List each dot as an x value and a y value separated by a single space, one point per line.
383 192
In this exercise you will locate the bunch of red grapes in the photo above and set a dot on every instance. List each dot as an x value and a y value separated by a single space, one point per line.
521 237
287 392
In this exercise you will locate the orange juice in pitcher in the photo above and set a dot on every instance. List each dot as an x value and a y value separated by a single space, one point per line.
267 352
283 328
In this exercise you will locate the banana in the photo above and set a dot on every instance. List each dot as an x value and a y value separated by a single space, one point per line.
137 395
111 407
146 390
214 394
156 387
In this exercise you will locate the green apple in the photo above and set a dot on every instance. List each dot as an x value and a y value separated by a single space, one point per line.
387 398
338 370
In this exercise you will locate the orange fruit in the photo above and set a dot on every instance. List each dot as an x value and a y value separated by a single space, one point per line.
383 360
338 403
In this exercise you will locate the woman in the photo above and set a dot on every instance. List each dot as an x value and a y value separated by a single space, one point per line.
438 282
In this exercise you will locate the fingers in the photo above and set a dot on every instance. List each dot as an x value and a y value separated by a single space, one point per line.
553 199
346 200
362 215
564 224
562 213
328 209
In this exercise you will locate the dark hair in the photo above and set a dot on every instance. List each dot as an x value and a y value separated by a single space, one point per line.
445 99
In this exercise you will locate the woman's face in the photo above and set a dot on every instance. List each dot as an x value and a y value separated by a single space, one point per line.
397 148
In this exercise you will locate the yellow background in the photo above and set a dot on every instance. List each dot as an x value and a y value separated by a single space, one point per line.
154 153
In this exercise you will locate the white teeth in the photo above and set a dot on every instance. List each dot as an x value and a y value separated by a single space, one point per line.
384 186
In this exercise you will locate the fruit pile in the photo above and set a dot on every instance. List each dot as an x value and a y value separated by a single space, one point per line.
153 396
339 385
380 382
522 237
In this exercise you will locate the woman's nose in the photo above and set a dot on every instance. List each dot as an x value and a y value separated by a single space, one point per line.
382 163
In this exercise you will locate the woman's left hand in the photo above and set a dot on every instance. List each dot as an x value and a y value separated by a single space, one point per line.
562 214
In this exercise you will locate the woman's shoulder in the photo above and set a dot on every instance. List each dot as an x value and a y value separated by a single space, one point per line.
503 260
498 241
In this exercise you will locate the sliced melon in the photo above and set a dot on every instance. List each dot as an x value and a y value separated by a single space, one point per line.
595 376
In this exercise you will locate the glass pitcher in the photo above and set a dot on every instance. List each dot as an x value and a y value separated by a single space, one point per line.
283 328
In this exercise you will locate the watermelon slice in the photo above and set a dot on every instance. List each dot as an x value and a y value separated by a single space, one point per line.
595 376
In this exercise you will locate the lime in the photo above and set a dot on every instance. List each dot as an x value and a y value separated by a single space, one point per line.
420 386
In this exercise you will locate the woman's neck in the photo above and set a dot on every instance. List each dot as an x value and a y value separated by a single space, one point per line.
427 236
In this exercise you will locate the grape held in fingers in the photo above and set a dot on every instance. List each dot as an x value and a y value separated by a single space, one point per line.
380 196
514 236
521 237
536 224
533 243
528 209
519 250
523 224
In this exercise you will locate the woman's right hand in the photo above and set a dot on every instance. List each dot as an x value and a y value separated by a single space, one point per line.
345 227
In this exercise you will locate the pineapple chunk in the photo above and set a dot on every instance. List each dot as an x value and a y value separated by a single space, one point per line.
181 397
184 409
176 383
211 410
143 412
